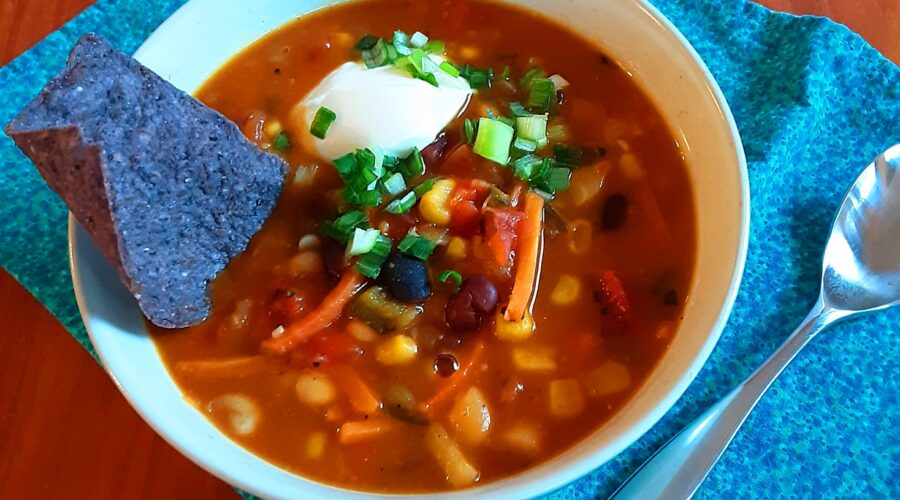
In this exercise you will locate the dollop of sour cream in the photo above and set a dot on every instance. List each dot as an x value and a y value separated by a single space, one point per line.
381 107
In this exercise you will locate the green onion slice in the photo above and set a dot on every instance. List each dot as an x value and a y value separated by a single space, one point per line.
417 246
541 95
370 263
401 205
449 68
282 142
493 140
323 119
450 274
394 184
362 241
341 228
424 187
532 127
413 165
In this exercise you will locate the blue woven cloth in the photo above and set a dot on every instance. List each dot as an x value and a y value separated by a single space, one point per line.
814 104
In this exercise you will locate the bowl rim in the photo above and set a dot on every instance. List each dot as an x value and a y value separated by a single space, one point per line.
524 488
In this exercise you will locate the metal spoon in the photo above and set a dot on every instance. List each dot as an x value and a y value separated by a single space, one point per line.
860 274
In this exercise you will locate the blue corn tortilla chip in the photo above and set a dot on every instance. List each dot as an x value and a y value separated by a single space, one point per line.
168 189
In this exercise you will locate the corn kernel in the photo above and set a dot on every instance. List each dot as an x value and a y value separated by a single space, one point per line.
469 52
514 330
435 204
457 249
396 350
566 290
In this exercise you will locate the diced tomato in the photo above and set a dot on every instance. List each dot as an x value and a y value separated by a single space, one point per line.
611 297
330 347
501 229
460 163
285 306
465 211
398 225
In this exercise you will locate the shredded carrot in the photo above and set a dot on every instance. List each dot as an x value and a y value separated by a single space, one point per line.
360 394
455 382
362 430
529 246
230 367
327 313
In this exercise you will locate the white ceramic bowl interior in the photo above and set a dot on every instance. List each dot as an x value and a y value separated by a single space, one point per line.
204 34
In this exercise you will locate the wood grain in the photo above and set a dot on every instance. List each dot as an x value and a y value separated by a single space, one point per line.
65 431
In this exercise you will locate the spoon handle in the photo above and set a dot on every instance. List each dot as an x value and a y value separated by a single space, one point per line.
677 469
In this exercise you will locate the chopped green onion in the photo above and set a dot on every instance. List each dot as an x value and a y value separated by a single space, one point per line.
477 78
449 68
570 156
430 78
450 274
323 119
541 95
401 43
390 162
524 167
362 241
394 184
424 187
413 165
341 228
362 198
401 205
557 179
345 165
366 42
493 140
525 145
418 39
518 110
507 120
533 127
282 142
507 71
531 74
369 264
558 81
469 131
377 55
417 246
434 47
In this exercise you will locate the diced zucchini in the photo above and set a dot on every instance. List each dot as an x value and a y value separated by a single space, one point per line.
377 309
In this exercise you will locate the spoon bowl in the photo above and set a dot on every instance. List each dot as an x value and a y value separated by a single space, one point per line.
861 268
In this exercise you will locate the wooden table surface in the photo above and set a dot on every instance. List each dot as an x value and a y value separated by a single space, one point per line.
65 431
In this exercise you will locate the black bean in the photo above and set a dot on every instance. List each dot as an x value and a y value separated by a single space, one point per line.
615 210
406 278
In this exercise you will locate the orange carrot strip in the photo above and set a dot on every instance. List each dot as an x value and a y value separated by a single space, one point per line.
322 317
527 261
230 367
362 430
454 383
360 394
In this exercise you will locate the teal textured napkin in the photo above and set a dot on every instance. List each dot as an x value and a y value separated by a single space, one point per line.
814 104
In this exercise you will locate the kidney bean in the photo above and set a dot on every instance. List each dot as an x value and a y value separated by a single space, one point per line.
476 298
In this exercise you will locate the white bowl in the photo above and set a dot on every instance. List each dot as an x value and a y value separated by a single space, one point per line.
204 34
